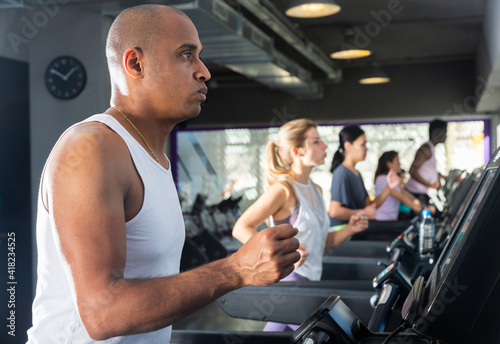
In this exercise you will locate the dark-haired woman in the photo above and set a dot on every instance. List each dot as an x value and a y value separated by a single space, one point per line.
389 210
348 192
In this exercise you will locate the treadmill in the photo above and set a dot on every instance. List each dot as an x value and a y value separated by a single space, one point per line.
394 283
372 241
350 277
458 301
456 304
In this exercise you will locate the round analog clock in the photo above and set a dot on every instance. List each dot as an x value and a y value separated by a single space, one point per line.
65 77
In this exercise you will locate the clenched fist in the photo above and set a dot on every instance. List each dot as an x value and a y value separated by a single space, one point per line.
268 256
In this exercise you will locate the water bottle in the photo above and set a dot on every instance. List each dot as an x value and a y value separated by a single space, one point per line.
426 233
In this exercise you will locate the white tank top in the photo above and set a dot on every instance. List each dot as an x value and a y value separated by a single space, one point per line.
313 223
155 237
427 171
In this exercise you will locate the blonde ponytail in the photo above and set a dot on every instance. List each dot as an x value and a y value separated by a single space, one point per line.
277 154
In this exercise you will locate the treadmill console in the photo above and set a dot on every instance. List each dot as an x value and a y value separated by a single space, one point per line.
332 322
407 239
394 273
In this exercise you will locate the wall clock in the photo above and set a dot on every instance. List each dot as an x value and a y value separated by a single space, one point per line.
65 77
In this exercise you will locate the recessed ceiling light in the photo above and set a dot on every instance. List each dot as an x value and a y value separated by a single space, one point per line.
312 9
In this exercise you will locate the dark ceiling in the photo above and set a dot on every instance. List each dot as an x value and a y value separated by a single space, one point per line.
396 31
416 31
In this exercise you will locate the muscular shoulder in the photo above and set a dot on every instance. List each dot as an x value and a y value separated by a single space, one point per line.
88 154
423 153
88 143
425 150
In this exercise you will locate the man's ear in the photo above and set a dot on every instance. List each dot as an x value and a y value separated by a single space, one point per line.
132 62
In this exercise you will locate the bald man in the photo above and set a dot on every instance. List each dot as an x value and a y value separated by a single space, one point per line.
110 229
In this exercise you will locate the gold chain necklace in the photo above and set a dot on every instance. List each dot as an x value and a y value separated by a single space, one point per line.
138 132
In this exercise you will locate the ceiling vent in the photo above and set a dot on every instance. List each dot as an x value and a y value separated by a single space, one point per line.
233 41
11 3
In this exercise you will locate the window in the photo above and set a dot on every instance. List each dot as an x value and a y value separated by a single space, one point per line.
220 163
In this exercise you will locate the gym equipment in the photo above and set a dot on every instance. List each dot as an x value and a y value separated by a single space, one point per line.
202 245
192 256
208 237
457 302
360 248
292 302
394 283
456 285
382 230
351 268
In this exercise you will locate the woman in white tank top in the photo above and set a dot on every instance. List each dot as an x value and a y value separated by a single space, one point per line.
293 198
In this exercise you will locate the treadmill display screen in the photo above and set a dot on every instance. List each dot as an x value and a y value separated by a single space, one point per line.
464 202
470 218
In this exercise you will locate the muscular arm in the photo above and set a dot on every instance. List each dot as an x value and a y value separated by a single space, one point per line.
90 196
423 154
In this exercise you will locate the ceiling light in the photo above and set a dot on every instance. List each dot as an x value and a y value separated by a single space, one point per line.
312 9
349 48
375 76
348 54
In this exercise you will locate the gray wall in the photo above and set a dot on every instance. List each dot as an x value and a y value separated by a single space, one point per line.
37 35
415 91
13 44
488 60
492 30
72 32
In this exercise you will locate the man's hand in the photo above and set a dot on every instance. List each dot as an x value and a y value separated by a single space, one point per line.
358 222
268 256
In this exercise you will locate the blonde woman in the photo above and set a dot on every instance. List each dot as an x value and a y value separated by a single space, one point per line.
291 197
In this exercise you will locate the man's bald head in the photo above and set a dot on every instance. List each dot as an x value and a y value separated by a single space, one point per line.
141 27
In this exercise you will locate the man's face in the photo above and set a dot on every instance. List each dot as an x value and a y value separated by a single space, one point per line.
439 135
177 81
